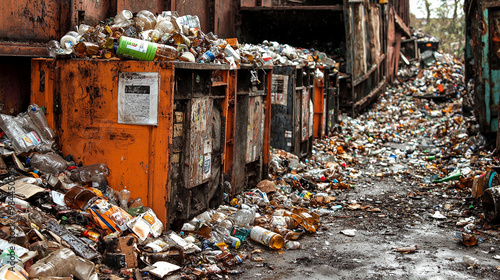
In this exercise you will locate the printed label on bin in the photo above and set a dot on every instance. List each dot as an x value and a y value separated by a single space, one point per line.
288 134
138 98
279 90
207 165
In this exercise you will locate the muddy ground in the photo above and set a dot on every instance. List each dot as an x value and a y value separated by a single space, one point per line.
370 254
405 219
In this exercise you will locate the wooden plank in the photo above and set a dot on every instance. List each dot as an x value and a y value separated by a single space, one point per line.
358 106
374 27
400 23
359 43
365 76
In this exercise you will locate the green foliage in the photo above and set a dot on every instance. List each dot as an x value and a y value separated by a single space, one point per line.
447 24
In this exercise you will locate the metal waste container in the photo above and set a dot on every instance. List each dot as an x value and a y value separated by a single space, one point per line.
158 126
332 110
292 109
326 106
252 127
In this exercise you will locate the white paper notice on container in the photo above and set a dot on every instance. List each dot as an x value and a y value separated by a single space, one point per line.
138 98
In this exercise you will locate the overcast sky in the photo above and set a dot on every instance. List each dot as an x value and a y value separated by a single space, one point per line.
417 7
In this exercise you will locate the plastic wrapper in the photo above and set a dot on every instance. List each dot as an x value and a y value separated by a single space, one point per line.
22 140
38 117
109 217
145 20
189 20
62 263
146 224
49 163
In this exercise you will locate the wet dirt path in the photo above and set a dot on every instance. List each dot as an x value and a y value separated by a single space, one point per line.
393 175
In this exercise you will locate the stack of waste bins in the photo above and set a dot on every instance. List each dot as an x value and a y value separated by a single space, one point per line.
140 124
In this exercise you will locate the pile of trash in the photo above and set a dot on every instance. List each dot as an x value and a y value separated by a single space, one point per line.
62 219
170 37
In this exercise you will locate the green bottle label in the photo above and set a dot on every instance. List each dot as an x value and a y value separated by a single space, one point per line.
136 49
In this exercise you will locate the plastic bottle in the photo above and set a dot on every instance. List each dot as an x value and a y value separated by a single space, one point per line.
95 173
210 55
189 20
123 197
232 241
226 224
218 217
165 53
240 258
292 245
123 16
60 263
309 220
17 203
145 20
86 49
23 141
164 25
49 163
285 221
263 220
471 261
143 50
53 48
244 218
267 237
79 198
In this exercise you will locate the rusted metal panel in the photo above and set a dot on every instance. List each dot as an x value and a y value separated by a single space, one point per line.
320 105
154 6
32 20
251 156
138 155
42 86
229 112
199 8
225 13
23 49
91 12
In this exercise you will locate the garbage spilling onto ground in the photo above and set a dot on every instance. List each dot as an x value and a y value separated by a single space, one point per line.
170 37
56 211
60 218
